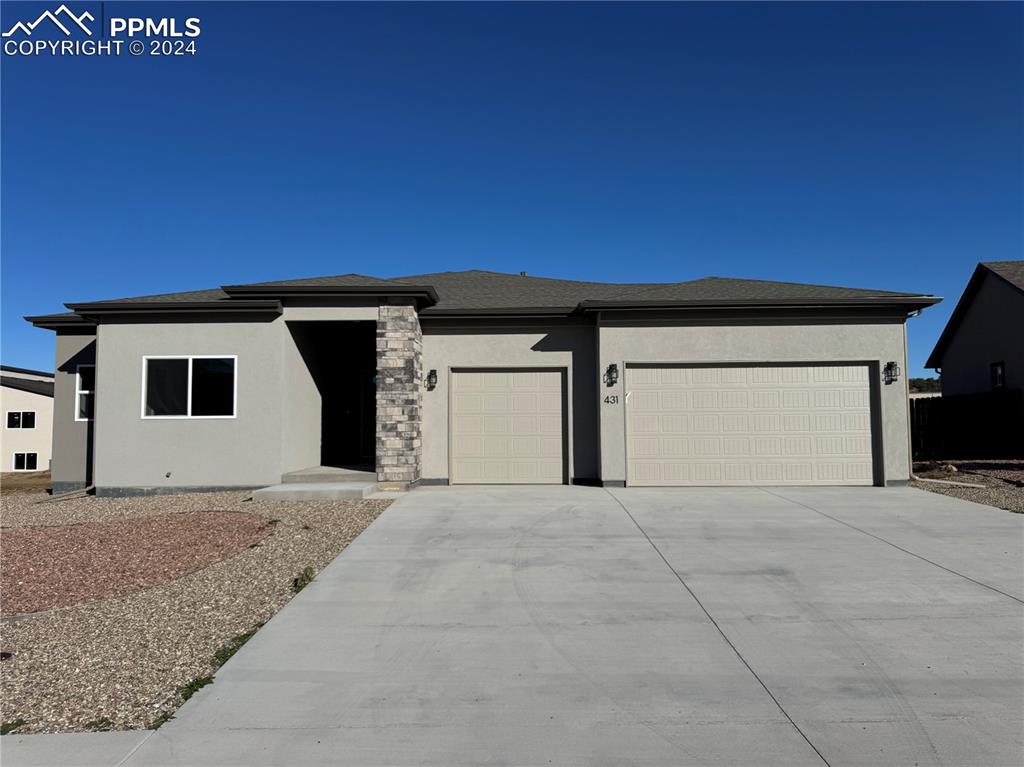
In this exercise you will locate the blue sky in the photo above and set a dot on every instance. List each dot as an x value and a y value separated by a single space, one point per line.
870 145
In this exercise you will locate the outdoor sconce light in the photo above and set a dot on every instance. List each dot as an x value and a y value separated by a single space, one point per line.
611 376
890 372
431 380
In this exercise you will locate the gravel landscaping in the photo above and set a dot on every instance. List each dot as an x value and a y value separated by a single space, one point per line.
1002 481
191 575
47 567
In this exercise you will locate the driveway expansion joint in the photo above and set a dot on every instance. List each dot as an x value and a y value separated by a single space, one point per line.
895 546
135 748
718 628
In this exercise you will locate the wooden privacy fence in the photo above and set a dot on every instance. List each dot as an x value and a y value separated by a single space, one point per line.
989 425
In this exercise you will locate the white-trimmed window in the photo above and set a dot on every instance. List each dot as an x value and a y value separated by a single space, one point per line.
26 461
21 419
189 387
85 388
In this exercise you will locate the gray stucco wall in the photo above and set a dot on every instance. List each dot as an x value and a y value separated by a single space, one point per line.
276 428
991 331
632 341
242 451
567 345
72 454
300 404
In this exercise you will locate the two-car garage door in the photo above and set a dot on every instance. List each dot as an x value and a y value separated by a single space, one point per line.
756 425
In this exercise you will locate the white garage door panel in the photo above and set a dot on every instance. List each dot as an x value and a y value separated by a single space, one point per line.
759 425
507 427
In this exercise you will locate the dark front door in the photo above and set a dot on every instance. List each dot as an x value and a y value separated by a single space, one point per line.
349 420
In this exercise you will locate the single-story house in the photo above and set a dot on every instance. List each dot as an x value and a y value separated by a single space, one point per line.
981 348
483 377
26 399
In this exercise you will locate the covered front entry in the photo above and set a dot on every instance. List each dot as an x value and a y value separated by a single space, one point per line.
339 399
508 426
765 424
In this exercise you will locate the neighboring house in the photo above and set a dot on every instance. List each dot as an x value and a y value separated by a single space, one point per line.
982 346
482 377
27 409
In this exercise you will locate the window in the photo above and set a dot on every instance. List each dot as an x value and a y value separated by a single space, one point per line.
85 387
998 373
21 419
25 461
188 387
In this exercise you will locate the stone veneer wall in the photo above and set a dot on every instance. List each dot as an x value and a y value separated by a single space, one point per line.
399 416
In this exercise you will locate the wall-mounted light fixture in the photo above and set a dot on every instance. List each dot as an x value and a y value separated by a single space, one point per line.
611 375
890 373
431 380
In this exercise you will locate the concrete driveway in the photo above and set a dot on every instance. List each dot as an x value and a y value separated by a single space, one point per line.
578 626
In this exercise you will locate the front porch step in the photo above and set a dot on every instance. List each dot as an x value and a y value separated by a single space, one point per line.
329 474
315 491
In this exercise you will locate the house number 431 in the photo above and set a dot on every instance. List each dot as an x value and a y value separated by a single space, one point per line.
611 399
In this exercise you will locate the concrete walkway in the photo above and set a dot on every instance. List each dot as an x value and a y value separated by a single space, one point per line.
577 626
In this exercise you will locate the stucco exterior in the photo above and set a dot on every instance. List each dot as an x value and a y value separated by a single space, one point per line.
623 341
990 330
72 453
244 451
322 360
36 440
567 345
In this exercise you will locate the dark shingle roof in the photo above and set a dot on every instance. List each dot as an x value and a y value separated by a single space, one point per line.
26 384
482 292
212 294
1011 271
476 289
479 290
334 281
726 289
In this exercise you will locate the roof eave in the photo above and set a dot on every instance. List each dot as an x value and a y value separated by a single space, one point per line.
24 371
40 388
508 311
101 310
58 321
425 293
909 303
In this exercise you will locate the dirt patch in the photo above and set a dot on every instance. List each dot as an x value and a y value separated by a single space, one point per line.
47 567
24 482
128 662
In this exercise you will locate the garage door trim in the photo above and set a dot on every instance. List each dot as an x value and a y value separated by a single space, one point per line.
874 403
566 407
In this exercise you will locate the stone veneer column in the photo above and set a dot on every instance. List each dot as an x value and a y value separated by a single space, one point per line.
399 373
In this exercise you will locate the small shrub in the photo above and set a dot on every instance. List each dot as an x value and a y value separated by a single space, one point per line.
8 727
189 689
103 724
229 648
303 579
161 720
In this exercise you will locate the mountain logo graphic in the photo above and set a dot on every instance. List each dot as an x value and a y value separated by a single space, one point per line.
63 12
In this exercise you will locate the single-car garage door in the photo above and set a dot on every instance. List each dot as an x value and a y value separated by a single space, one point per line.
748 425
507 427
